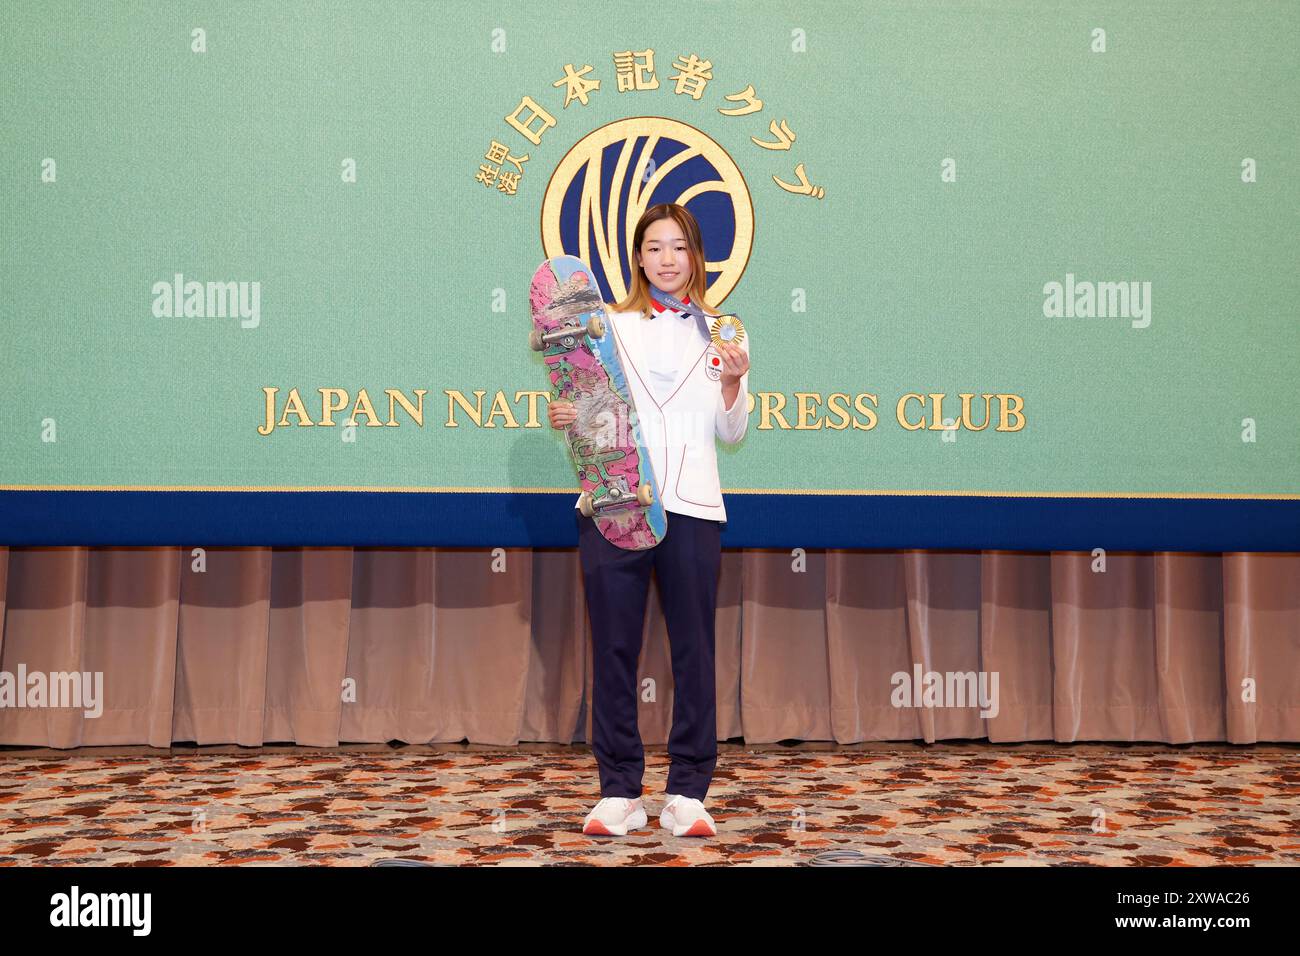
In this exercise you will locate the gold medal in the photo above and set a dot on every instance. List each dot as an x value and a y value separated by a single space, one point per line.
727 328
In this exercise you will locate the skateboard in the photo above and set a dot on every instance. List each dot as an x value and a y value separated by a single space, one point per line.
571 330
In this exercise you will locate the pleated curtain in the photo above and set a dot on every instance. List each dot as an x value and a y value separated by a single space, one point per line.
321 646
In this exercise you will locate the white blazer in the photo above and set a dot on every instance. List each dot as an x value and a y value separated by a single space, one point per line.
679 432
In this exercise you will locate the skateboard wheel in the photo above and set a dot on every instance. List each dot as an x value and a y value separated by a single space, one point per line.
535 341
584 504
596 327
645 495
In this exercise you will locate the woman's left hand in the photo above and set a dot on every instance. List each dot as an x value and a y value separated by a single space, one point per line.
735 362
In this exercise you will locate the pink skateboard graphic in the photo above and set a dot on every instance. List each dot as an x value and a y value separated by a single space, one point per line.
619 490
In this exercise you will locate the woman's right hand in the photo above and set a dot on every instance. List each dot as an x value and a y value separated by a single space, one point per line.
561 413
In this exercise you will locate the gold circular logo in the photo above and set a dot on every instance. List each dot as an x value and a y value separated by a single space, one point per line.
615 173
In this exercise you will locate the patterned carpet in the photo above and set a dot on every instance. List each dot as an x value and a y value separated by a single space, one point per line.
901 804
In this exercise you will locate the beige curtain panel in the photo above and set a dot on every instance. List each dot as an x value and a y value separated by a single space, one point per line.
319 646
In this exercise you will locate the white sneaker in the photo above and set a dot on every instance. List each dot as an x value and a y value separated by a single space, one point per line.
686 816
614 816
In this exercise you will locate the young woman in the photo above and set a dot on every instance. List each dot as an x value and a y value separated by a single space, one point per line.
686 390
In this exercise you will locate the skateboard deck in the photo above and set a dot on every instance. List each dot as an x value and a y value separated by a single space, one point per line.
572 331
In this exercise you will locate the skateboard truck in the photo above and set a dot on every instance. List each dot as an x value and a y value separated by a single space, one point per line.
567 335
618 496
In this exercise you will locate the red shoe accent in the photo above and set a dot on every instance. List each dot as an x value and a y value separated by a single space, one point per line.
700 828
597 828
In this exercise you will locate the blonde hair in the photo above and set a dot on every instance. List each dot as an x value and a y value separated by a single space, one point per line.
638 297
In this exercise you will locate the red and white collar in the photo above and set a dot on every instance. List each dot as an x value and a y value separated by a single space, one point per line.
664 308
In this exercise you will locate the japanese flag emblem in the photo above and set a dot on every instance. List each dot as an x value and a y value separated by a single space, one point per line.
713 365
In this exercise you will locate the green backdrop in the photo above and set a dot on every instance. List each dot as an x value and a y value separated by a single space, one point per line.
230 165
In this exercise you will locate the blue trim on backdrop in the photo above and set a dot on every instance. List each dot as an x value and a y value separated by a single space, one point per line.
486 519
